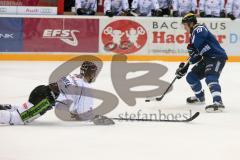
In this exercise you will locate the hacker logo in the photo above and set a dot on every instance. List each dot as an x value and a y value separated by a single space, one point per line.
124 37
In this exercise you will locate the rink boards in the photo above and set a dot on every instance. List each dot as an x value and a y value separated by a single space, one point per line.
62 57
60 38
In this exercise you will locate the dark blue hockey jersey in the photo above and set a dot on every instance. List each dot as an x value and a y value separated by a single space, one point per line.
206 44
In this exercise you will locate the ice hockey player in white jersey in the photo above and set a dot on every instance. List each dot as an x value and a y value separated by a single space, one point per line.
86 7
212 8
116 8
146 8
165 7
233 9
45 97
182 7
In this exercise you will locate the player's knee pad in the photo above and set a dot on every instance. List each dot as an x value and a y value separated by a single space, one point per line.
191 78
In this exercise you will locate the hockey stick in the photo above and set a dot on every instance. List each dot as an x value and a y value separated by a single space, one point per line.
159 120
161 97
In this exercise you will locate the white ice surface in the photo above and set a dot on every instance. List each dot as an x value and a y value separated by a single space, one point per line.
209 137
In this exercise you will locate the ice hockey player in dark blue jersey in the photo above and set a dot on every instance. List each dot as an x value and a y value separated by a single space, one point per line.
208 58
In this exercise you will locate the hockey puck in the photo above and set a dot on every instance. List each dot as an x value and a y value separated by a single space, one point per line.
159 99
147 100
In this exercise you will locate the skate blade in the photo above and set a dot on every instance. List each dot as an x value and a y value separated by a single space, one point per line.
197 103
212 110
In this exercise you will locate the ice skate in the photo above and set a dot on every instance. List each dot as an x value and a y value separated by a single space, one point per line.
215 108
195 100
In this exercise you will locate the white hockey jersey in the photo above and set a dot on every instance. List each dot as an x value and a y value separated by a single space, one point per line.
116 6
184 6
86 4
144 7
233 6
80 103
163 4
212 7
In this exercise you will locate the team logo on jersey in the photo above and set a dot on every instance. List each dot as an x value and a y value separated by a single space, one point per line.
67 36
124 37
25 106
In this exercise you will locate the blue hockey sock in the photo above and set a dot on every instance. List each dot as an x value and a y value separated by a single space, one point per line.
195 84
215 88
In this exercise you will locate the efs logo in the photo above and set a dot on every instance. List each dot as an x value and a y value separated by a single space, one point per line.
124 37
67 36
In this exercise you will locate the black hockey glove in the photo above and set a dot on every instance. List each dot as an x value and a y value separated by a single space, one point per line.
193 54
182 70
222 14
175 13
109 13
90 12
202 14
231 16
80 11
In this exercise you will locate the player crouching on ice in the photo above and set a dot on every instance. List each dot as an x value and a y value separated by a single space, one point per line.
209 59
45 97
